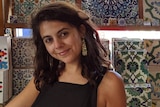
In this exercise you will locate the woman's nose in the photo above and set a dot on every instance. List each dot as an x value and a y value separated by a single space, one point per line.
57 43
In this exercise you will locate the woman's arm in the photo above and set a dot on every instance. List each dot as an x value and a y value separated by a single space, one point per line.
111 91
26 97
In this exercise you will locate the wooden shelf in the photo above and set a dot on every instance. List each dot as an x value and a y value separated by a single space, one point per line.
146 28
16 25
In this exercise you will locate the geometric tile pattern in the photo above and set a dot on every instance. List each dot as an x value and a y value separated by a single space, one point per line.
104 9
138 95
132 66
128 44
21 77
154 80
24 8
23 52
151 9
153 51
124 44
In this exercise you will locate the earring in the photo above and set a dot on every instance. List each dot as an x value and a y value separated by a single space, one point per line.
84 48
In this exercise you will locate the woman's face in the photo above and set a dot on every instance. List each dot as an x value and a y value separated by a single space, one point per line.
61 40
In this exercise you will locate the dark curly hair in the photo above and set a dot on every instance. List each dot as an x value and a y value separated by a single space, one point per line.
47 68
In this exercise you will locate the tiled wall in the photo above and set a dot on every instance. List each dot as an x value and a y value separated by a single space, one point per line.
22 9
151 9
138 63
23 52
103 12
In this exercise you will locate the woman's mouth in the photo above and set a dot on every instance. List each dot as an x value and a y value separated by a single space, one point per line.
63 53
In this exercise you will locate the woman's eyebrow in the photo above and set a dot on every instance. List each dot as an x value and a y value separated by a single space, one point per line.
46 36
62 30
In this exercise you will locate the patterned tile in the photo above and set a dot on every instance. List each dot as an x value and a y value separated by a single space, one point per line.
138 95
21 77
23 52
24 8
104 9
128 44
153 51
132 65
124 44
151 9
154 80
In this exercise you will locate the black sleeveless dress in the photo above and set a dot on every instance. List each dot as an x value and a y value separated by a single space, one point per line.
62 94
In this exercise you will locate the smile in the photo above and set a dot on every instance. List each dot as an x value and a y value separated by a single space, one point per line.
63 53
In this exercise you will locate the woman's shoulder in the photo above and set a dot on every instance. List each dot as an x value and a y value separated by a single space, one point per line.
112 78
111 82
111 89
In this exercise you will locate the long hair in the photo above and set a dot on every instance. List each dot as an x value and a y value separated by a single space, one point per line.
47 68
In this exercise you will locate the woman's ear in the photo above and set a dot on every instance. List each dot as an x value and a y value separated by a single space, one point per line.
82 30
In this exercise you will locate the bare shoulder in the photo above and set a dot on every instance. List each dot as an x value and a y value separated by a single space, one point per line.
111 90
112 79
26 97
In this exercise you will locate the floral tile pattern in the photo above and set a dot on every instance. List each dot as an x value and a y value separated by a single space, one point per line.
128 44
132 65
21 77
124 44
153 51
151 9
23 52
154 80
104 9
24 8
138 95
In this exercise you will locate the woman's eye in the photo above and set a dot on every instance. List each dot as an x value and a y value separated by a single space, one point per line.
48 40
63 34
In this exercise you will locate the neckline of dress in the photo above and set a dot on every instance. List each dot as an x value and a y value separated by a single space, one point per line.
72 83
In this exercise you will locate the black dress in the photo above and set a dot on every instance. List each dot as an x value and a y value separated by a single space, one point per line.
63 94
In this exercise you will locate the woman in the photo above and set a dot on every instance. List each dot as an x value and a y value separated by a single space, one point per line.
70 65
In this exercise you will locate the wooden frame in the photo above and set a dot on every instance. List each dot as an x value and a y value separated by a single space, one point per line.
1 19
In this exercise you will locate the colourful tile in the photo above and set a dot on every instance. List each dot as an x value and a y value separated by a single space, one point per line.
124 44
102 9
153 51
21 77
154 80
138 95
151 9
132 65
23 52
23 9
